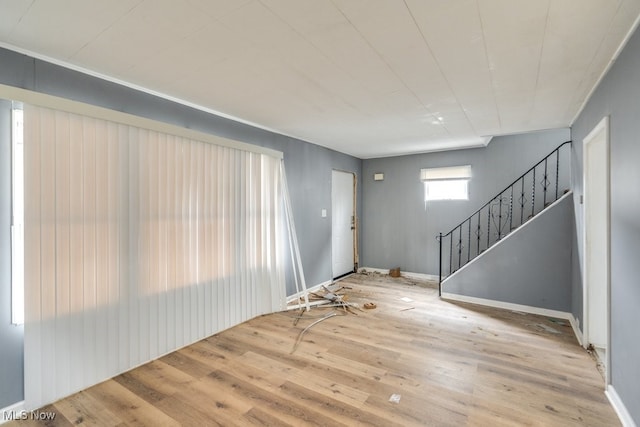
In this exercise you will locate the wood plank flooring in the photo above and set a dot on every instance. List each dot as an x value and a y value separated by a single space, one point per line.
453 364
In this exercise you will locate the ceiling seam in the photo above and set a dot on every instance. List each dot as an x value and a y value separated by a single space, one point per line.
26 12
442 73
346 102
486 56
544 37
81 48
390 68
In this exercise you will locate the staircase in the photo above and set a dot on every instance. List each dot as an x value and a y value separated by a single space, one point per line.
520 201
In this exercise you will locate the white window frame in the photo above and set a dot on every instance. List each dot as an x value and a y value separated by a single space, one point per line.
446 183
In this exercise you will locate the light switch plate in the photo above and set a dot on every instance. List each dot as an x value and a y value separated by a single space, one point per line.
323 212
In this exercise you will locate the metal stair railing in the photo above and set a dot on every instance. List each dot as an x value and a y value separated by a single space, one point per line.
520 201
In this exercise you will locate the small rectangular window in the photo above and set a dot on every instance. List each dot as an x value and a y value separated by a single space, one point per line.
454 189
447 183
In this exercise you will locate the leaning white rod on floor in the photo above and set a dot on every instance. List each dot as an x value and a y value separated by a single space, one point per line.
294 237
285 195
291 253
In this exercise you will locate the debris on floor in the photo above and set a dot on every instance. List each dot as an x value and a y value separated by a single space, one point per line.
405 309
557 321
486 331
370 273
369 305
326 298
394 398
545 328
394 272
406 299
302 332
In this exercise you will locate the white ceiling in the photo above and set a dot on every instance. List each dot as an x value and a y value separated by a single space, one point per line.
369 78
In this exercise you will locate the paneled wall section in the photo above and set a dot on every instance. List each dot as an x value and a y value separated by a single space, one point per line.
138 243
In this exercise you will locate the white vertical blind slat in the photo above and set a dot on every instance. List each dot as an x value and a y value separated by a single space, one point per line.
89 259
62 224
101 192
207 232
76 292
162 261
32 272
122 225
144 296
172 252
113 273
48 248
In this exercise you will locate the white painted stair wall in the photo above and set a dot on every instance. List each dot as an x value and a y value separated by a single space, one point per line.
530 267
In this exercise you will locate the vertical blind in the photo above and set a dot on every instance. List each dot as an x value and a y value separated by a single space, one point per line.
137 243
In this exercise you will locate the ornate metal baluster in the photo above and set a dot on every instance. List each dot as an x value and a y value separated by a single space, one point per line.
469 243
451 251
478 233
511 211
460 247
522 202
500 218
545 184
489 225
557 169
533 194
440 266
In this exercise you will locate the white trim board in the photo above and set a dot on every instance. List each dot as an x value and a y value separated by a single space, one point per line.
406 274
618 406
518 307
17 409
575 324
587 282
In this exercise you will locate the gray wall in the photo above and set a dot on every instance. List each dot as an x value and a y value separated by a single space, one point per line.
308 168
11 337
397 229
618 96
531 266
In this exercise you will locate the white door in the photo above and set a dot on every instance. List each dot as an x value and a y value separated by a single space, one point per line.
342 223
596 215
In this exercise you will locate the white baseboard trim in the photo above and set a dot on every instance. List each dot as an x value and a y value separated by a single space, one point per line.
523 308
618 406
407 274
518 307
575 325
12 412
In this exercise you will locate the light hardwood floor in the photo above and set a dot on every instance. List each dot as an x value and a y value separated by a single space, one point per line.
451 364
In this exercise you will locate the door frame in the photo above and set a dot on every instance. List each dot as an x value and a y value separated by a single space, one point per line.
354 217
601 128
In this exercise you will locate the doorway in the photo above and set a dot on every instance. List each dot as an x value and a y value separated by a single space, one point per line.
343 223
596 242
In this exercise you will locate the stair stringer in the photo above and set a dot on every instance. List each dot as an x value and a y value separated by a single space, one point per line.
531 266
